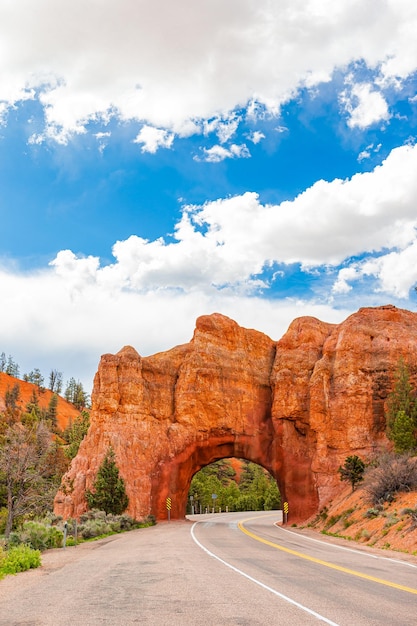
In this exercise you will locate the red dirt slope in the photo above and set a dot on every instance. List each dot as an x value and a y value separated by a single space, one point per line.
65 410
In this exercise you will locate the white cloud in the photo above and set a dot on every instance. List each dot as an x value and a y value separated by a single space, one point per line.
226 130
256 137
345 275
73 332
154 138
369 150
364 105
152 293
170 65
217 153
365 154
226 244
396 272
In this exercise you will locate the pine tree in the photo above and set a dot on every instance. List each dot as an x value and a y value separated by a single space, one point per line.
35 377
75 394
352 471
55 381
12 368
33 412
11 399
75 433
52 412
403 433
109 493
402 411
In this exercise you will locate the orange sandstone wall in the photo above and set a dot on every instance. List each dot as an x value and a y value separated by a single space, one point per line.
298 407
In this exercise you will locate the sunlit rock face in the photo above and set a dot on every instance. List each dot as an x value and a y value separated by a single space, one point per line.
297 407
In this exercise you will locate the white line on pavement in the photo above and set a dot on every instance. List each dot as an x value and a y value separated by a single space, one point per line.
258 582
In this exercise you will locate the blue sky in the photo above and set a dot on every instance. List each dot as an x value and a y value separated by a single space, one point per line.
162 162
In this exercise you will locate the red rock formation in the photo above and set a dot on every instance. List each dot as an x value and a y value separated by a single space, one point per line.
297 407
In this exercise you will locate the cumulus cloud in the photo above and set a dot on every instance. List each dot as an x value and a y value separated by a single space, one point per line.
228 243
217 153
364 105
153 138
77 323
215 261
369 150
225 128
204 59
256 137
395 272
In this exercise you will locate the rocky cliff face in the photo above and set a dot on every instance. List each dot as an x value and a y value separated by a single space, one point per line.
298 407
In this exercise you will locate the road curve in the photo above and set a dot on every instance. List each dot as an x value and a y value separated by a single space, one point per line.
337 585
217 570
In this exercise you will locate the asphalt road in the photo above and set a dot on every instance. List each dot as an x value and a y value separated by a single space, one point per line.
214 570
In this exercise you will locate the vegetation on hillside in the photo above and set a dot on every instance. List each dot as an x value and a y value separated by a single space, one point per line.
34 452
401 415
387 477
352 470
74 391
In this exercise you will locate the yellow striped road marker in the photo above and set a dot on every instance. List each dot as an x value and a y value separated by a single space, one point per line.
339 568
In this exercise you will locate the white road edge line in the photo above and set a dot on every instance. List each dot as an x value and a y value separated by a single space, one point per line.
258 582
335 545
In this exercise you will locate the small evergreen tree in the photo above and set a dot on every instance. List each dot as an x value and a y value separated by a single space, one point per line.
55 381
109 488
33 413
401 415
11 399
52 411
352 471
75 394
12 368
35 377
403 433
75 433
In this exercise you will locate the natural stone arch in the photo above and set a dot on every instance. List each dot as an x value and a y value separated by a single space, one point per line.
176 478
297 407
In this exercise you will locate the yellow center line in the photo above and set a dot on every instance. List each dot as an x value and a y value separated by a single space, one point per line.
339 568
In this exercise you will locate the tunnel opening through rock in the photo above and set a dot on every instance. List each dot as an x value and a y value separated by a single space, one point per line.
175 478
232 484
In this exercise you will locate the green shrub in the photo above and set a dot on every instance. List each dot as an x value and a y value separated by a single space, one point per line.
19 559
331 521
95 523
94 528
413 515
394 473
37 535
390 521
93 514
